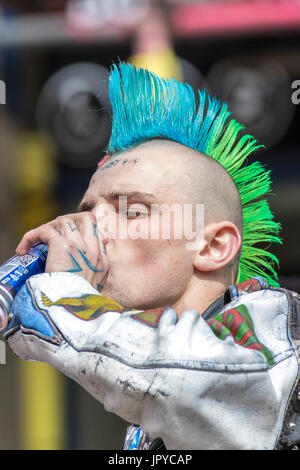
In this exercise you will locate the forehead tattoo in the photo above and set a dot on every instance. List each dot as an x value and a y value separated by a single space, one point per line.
109 162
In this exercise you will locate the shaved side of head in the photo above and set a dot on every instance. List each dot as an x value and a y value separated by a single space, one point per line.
206 182
211 185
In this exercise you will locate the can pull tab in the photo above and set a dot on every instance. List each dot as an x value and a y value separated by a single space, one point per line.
3 320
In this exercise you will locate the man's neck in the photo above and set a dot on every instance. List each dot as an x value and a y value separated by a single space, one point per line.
199 295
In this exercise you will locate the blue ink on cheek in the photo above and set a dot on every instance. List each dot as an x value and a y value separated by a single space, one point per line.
89 264
95 230
76 266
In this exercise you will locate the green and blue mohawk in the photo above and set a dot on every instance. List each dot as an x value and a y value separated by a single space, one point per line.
145 107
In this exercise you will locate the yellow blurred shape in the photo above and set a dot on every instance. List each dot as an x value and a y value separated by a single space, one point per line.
35 167
42 407
163 63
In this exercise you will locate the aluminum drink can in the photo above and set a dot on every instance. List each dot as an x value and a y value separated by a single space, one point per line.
14 273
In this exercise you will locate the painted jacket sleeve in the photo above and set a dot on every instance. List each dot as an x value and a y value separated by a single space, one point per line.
196 384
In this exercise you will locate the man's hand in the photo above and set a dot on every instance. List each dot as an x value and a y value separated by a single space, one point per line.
75 246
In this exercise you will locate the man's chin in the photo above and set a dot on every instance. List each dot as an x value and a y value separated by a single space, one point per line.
125 302
120 299
131 303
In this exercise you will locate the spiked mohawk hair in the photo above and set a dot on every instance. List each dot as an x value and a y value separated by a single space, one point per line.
145 107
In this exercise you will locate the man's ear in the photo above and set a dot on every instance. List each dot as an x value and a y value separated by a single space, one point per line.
222 241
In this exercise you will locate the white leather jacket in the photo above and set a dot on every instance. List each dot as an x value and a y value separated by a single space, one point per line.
225 380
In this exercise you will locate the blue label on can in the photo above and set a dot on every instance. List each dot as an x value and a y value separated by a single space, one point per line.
15 271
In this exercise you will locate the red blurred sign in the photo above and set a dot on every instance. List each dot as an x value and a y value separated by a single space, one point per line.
228 17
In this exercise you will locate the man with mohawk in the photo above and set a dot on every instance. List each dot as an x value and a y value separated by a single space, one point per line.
197 348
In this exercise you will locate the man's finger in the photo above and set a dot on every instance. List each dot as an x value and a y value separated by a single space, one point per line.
43 234
34 236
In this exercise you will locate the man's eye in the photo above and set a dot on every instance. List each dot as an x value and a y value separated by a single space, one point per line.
136 212
132 214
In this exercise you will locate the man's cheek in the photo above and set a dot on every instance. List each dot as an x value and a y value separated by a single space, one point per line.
143 260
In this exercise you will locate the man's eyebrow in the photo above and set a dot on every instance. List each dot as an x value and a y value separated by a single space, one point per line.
137 196
148 198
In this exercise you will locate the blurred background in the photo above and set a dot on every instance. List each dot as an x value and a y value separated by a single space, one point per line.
55 57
